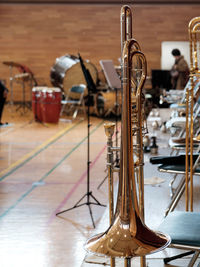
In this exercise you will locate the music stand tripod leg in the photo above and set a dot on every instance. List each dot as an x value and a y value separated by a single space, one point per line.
88 194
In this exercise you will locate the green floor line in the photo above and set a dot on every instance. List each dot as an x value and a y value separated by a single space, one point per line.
48 173
9 172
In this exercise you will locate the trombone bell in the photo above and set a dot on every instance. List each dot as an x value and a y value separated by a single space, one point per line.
127 239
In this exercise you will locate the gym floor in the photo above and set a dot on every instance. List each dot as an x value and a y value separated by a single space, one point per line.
43 171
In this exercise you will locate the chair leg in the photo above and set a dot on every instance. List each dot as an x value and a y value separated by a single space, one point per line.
84 111
62 109
176 197
193 259
75 113
179 256
171 185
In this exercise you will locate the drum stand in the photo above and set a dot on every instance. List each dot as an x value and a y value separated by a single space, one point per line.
11 86
22 79
36 117
88 195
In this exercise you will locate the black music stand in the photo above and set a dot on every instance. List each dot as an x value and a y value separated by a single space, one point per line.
90 102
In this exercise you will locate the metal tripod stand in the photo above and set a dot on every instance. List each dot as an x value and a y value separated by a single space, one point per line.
88 195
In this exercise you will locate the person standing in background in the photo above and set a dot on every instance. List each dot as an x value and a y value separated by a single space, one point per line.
3 95
180 70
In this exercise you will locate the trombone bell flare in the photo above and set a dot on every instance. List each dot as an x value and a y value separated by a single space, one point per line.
124 240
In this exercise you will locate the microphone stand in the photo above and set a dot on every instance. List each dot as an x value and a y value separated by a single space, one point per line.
88 195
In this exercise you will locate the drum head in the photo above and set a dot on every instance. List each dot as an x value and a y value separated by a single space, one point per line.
108 103
74 76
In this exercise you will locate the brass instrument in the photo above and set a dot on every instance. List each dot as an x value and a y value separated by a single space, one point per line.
127 235
126 25
194 30
109 130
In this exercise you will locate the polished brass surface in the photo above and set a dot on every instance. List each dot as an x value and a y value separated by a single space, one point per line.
109 130
194 31
126 25
128 236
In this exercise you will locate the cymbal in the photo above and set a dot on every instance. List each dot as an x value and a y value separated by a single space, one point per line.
11 63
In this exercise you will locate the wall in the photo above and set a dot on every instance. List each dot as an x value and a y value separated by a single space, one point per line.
36 34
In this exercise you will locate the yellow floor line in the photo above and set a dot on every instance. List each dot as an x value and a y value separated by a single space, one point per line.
34 151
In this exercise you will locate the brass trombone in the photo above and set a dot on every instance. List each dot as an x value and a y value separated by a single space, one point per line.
126 25
128 236
126 34
194 30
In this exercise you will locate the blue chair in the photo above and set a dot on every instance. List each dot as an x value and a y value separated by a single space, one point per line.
74 101
184 230
182 226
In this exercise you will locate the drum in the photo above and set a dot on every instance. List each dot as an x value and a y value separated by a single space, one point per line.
51 104
67 72
46 104
36 102
106 103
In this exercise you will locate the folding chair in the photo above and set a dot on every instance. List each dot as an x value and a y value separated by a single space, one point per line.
183 227
176 165
74 100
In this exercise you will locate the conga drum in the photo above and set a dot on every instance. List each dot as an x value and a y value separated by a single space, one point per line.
51 104
108 103
67 72
36 102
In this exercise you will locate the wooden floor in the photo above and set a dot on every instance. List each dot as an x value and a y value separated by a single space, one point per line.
43 171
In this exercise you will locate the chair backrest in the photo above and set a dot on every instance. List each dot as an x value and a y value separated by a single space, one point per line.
78 88
76 92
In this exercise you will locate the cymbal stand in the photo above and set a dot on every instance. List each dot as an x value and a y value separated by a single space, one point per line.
21 79
11 85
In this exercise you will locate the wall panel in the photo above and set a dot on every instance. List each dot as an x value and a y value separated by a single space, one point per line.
106 1
36 34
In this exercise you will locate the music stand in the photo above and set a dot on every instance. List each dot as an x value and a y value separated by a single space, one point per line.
91 89
114 83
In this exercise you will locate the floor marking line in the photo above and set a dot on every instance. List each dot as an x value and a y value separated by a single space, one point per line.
47 174
83 176
19 163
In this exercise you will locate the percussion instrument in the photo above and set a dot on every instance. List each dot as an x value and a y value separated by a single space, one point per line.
36 101
22 77
106 103
46 104
11 64
67 72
